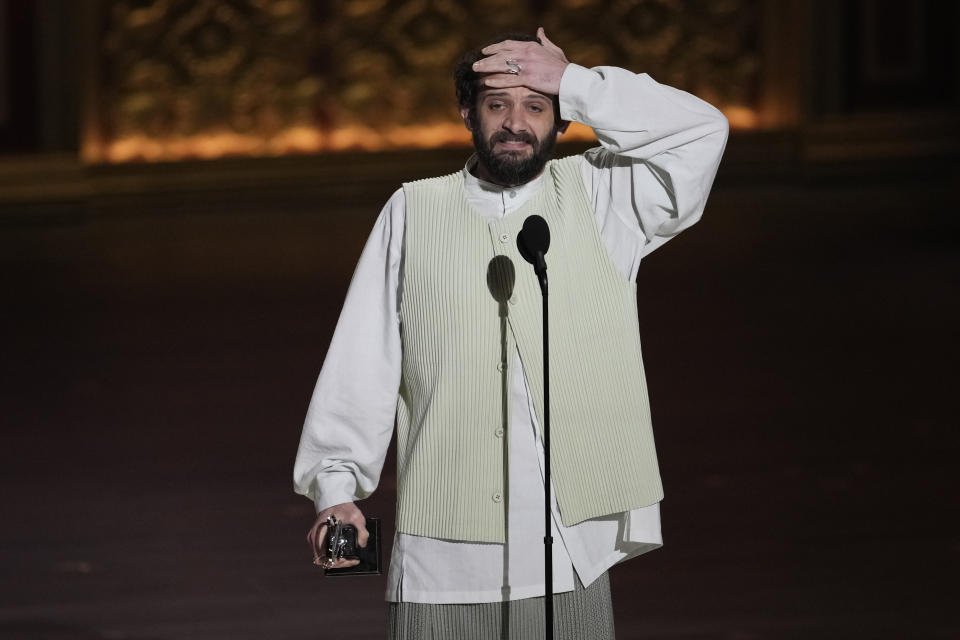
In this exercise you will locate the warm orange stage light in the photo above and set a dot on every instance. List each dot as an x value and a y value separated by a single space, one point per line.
303 139
741 117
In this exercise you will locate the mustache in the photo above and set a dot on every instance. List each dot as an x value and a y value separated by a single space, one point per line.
522 136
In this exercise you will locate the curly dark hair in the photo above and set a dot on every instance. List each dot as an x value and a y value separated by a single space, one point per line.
467 80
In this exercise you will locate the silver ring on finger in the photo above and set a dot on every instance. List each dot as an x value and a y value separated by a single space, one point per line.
513 67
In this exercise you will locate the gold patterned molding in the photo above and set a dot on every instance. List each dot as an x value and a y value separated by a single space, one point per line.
173 79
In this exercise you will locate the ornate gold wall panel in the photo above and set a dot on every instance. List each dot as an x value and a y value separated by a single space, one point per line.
206 78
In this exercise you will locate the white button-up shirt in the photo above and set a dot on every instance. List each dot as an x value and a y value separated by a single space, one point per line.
648 181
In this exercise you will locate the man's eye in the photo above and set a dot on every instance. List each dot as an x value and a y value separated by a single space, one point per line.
536 108
496 105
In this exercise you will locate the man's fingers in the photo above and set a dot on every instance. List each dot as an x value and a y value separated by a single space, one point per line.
358 521
501 47
496 54
502 81
494 64
362 536
343 563
317 542
311 533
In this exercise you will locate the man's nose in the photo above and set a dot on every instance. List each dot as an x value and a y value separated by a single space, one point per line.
515 120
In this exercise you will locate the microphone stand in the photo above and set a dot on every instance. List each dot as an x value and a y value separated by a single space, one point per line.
533 242
541 270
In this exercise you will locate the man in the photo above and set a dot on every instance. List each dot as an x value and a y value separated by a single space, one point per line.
440 331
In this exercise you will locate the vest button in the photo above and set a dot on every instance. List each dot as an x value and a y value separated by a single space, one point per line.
498 432
497 497
513 299
504 237
500 367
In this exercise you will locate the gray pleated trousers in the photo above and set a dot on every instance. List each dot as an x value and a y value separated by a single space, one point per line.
584 613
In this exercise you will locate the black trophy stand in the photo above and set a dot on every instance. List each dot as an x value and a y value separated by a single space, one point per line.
533 242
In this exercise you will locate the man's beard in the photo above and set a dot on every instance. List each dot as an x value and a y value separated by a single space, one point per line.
508 168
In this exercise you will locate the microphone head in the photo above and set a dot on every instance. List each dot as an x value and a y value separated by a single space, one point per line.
534 238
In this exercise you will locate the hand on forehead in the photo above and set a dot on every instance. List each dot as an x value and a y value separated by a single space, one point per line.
514 63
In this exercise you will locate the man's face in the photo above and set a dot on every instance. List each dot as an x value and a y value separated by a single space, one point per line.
514 132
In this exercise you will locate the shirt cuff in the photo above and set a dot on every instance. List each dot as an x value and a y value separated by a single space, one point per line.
334 489
575 91
643 526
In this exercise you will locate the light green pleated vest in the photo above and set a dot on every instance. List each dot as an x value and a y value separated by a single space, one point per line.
468 300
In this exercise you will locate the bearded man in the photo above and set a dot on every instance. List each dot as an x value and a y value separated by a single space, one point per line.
440 333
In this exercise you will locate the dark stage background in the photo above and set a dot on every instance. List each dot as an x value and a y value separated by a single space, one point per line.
185 188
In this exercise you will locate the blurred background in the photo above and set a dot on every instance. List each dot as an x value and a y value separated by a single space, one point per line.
185 188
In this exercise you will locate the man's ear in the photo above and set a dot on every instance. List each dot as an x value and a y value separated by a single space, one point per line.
467 114
562 127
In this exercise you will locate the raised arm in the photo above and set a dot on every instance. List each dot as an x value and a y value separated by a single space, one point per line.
660 149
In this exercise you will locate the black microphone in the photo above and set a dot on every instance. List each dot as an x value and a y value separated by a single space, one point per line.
533 242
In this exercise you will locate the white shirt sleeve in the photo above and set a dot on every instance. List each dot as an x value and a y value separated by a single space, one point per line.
660 149
352 410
